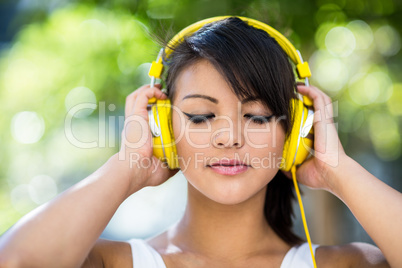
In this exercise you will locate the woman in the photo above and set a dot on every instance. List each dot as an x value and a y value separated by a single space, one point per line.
236 82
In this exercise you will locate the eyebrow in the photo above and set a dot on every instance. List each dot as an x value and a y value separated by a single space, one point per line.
211 99
202 97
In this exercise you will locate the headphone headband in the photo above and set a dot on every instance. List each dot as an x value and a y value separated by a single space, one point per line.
302 68
283 42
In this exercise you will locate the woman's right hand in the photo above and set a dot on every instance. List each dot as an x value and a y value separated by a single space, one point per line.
136 153
73 221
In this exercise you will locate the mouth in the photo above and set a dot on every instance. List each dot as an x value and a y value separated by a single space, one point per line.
229 167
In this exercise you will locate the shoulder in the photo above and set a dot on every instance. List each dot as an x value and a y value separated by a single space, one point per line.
107 253
350 255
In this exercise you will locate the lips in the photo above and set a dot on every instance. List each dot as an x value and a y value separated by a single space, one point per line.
229 167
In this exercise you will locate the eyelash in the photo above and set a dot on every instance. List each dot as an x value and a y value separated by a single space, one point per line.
201 118
259 119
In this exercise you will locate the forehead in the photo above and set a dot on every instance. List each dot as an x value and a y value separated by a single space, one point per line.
201 78
202 81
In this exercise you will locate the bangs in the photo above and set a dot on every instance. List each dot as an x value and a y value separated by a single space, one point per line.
250 60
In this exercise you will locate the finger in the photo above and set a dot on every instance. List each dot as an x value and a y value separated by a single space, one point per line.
321 102
318 101
160 172
131 99
141 101
307 175
324 129
312 92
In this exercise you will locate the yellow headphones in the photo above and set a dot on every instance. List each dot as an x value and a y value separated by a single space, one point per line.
297 145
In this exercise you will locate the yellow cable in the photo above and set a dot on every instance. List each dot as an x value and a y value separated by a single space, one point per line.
293 170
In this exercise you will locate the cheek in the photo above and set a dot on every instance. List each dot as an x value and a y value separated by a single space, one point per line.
270 137
178 125
266 149
189 141
197 137
189 135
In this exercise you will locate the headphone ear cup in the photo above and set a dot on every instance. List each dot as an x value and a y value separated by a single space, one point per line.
296 148
164 146
305 147
290 147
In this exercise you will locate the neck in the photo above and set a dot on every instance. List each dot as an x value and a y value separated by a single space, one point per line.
225 231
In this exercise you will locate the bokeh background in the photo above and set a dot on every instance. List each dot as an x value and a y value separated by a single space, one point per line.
57 55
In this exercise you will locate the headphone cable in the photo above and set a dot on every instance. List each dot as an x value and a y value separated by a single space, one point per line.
293 170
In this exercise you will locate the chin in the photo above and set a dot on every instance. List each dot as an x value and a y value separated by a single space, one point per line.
230 200
229 190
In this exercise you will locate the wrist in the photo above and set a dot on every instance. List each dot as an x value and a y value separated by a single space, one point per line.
336 174
126 173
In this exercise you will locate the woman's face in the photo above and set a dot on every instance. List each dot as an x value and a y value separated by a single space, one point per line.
234 149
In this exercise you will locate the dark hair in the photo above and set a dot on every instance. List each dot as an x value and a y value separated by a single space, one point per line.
254 65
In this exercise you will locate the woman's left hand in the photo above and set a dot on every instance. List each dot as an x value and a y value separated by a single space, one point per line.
328 150
331 169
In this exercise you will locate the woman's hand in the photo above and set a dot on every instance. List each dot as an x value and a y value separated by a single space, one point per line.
142 168
72 222
375 205
328 151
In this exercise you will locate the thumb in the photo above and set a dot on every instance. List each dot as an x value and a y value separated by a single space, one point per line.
307 174
160 172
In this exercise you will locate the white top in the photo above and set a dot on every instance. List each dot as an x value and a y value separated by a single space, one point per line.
145 256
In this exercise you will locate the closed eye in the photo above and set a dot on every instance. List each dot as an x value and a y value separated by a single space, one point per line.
199 118
259 119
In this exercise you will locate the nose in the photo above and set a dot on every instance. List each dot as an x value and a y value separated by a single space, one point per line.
228 135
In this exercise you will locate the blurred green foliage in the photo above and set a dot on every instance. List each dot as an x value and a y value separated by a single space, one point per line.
79 54
95 51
